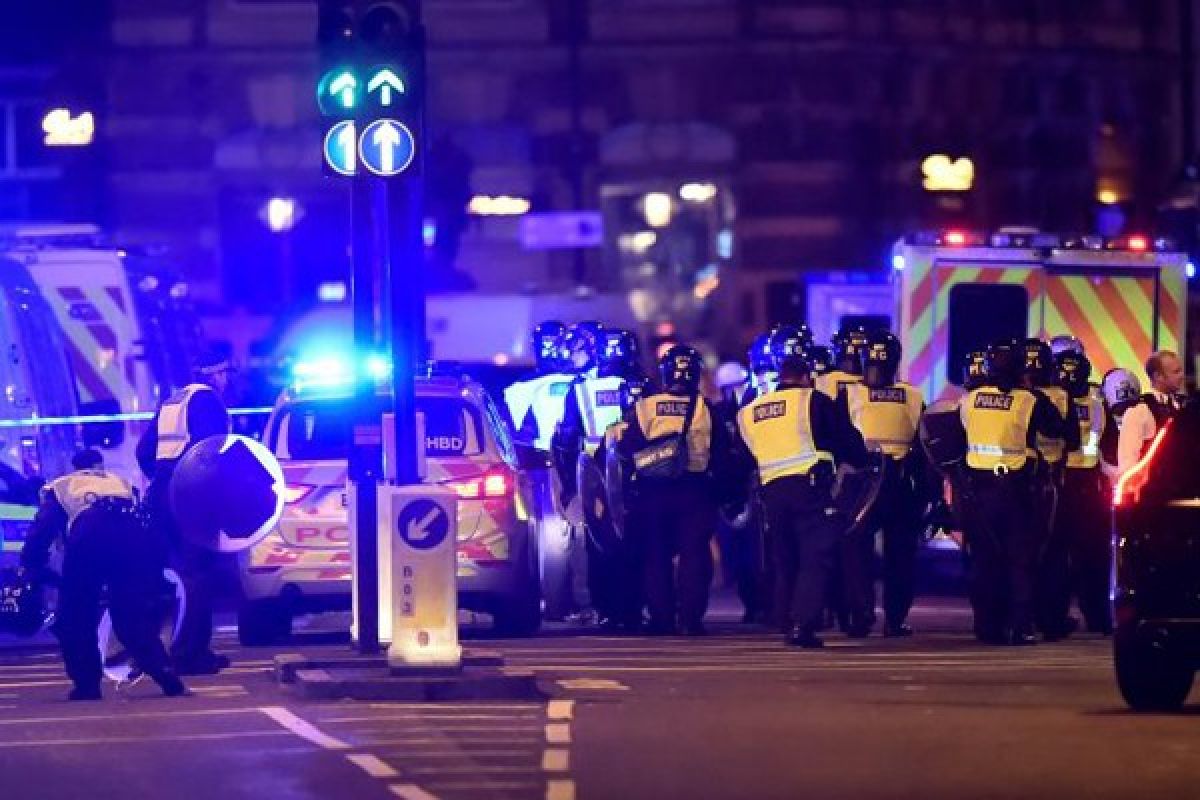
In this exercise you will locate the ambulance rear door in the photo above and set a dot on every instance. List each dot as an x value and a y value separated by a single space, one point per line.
963 299
1122 305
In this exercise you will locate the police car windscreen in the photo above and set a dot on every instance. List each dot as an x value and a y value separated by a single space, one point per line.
320 431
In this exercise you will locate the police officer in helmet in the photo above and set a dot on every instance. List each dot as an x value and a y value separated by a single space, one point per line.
762 368
535 405
796 436
1001 422
186 418
681 457
1082 522
107 548
975 370
821 357
848 345
1053 588
888 412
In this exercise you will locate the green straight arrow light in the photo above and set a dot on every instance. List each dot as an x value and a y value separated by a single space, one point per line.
343 88
386 82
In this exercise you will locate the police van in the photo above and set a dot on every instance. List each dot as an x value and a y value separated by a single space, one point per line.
304 564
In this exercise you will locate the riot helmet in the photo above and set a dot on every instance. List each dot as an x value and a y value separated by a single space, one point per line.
759 355
581 346
680 369
789 351
1002 364
1064 343
848 346
547 346
975 370
881 359
1074 370
1121 389
621 353
821 358
1037 367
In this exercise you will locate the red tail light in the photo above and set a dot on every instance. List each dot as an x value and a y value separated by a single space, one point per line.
1129 486
1138 243
956 238
295 492
497 483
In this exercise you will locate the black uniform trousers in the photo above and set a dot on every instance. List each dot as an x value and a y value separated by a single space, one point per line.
1053 588
668 519
1002 535
107 548
804 530
196 566
898 516
1085 524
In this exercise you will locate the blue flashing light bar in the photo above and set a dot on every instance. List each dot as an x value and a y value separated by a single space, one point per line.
332 371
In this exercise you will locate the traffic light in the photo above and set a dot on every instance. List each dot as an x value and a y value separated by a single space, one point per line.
372 69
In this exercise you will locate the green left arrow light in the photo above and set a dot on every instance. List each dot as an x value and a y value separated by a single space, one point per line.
386 83
339 91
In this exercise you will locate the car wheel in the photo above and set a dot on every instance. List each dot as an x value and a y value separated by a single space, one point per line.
1149 676
263 622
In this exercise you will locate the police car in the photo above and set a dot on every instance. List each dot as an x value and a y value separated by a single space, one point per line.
1156 599
304 565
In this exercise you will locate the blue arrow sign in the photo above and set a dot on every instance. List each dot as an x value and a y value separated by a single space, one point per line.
423 524
339 148
387 147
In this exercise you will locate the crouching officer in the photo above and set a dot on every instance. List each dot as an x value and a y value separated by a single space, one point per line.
106 547
887 412
795 436
189 416
1001 422
1083 522
681 457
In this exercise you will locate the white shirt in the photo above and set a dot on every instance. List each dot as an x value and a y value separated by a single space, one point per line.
1137 427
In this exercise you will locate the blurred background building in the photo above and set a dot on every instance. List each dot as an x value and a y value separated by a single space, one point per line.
723 148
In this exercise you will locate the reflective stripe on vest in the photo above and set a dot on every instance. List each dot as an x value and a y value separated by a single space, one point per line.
77 491
599 402
887 417
546 403
778 430
997 426
1090 412
174 438
1053 449
662 415
831 383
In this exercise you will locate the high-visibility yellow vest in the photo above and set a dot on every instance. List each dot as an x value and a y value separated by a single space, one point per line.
778 430
662 415
1090 411
78 490
173 434
1051 449
831 383
887 417
997 425
599 401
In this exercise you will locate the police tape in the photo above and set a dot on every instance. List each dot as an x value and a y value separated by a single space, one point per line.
133 416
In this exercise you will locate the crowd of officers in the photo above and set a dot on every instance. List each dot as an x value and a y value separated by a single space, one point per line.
802 459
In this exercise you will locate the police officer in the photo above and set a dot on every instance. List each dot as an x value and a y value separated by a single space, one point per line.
1144 420
1121 391
106 548
1083 520
848 345
763 376
795 436
887 412
188 416
535 405
975 370
681 455
1001 423
821 357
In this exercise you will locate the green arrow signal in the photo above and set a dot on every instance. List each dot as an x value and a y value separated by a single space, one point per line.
343 87
386 82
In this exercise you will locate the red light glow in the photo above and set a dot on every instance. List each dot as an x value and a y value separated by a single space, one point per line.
1138 243
956 238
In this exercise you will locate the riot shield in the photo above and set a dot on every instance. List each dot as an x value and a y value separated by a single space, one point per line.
118 666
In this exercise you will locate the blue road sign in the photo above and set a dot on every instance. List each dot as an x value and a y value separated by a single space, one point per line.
339 148
386 147
423 524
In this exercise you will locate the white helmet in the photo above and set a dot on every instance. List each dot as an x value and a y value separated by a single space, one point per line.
731 374
1120 386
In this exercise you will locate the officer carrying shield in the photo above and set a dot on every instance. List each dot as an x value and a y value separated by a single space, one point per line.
1053 589
106 548
1001 423
1083 520
887 412
681 457
795 436
188 416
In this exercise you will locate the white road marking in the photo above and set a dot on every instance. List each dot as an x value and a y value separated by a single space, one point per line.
592 684
560 790
462 706
459 753
202 712
27 684
302 728
157 738
373 765
556 759
560 709
915 688
558 733
430 718
410 791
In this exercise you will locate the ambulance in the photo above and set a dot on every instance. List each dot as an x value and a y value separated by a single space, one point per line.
956 291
